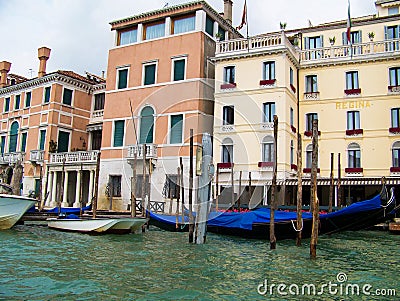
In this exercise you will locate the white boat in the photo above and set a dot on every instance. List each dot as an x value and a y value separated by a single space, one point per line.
12 207
97 225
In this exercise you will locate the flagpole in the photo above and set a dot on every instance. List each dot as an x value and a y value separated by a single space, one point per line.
349 30
247 21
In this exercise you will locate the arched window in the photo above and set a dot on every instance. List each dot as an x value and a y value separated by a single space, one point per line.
227 150
354 155
396 154
268 149
309 156
146 125
13 137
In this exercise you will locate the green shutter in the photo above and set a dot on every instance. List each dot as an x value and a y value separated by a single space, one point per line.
122 79
146 125
3 144
17 102
210 26
7 105
221 33
119 127
63 142
47 91
179 70
42 139
67 97
28 99
23 142
176 129
13 137
150 74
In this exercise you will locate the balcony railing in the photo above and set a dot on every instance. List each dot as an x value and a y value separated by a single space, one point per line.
36 156
151 151
74 157
255 44
9 158
98 114
374 49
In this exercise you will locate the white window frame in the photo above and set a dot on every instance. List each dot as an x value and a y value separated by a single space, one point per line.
173 60
72 97
70 137
144 64
44 95
38 143
117 77
26 93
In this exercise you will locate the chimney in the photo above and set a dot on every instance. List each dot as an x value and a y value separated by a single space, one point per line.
4 69
43 55
228 10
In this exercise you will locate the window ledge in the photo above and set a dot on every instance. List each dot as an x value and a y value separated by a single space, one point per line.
311 95
265 164
228 86
354 132
352 91
394 89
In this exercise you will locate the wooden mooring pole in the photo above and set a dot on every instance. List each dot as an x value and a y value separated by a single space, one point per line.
191 221
332 185
182 195
96 186
339 180
299 190
240 189
178 189
133 184
272 237
314 198
216 189
144 181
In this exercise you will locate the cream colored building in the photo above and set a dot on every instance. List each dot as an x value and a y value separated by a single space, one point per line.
313 72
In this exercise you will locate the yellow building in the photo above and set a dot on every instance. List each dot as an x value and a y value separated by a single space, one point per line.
303 74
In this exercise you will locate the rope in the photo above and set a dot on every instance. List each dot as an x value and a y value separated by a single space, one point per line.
295 227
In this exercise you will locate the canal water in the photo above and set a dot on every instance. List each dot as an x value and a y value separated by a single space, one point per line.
37 263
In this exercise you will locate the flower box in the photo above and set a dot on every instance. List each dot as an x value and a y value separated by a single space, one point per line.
353 169
354 132
294 130
394 130
226 165
308 170
352 91
267 82
293 88
394 169
293 167
265 164
228 86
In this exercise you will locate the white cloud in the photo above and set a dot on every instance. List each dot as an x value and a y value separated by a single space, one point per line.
78 32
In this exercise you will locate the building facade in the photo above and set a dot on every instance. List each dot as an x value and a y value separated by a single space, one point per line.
158 88
44 126
352 88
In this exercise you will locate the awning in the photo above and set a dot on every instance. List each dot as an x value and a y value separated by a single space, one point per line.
94 127
344 181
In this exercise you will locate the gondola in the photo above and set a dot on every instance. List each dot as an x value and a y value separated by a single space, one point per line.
255 224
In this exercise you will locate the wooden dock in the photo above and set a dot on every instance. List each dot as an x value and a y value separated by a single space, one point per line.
394 227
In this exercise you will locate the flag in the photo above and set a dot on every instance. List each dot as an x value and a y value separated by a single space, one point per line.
244 17
348 24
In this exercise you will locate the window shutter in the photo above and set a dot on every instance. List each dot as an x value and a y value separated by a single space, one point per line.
13 137
67 97
17 101
359 37
3 144
23 142
150 74
386 32
119 127
42 139
28 99
179 70
176 129
47 94
321 38
306 43
63 142
122 79
210 26
344 38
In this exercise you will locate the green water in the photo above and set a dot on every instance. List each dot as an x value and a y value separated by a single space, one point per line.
42 264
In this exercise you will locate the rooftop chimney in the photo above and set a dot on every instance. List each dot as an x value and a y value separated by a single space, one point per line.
4 69
43 55
228 10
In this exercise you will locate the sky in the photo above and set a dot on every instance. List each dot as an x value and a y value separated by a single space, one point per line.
78 31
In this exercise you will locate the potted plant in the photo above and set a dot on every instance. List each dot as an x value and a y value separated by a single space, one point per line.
332 40
218 36
282 25
371 36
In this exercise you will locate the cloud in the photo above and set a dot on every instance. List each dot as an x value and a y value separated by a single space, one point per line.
78 32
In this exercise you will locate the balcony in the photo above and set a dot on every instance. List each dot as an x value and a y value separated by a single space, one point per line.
378 49
74 157
97 116
255 45
36 156
151 151
11 158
